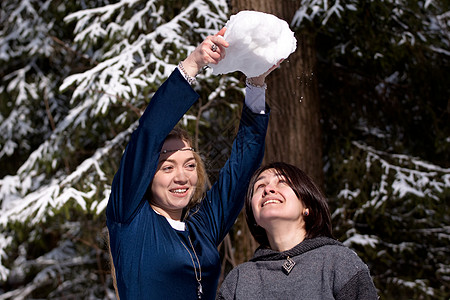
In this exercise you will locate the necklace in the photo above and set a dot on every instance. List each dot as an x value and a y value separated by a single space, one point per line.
198 276
288 265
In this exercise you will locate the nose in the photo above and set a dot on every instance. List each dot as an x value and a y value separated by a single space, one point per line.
180 176
269 189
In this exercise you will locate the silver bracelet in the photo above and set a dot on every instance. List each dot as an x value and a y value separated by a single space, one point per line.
249 83
191 80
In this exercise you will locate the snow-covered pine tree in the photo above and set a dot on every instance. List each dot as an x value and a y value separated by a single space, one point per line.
383 69
75 78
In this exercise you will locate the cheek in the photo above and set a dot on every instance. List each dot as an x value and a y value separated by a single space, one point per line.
160 179
193 178
255 206
156 191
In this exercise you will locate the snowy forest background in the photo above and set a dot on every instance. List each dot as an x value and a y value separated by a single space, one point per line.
76 75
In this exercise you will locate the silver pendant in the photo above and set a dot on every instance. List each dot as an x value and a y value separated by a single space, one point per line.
199 291
288 265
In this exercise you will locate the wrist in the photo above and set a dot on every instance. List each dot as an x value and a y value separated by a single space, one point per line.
255 82
191 67
190 79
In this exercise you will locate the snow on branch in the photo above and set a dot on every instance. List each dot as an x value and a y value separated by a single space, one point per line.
360 239
27 29
5 241
412 176
16 126
310 9
390 180
58 264
123 69
36 205
431 21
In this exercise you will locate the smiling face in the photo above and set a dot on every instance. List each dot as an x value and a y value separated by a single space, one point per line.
175 180
314 219
274 200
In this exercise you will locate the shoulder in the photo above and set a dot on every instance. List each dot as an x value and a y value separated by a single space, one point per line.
240 270
338 259
350 274
228 287
345 255
239 276
339 252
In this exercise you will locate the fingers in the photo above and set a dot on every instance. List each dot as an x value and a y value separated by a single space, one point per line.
214 48
221 32
259 80
275 66
210 51
218 46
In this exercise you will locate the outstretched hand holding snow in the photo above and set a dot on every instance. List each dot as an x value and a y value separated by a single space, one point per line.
211 50
257 41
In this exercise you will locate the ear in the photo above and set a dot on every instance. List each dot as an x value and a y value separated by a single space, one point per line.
306 212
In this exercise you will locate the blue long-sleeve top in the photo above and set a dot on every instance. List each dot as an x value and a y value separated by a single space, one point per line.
149 258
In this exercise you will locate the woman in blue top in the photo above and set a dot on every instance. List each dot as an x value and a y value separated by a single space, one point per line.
164 230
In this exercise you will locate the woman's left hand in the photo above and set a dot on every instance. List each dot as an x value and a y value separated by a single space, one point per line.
210 51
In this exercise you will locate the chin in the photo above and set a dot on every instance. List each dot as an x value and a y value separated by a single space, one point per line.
181 203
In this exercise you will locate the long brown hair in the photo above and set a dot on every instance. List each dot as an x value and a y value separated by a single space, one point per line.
317 223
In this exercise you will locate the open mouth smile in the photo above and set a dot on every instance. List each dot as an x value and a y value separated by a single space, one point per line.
179 191
270 201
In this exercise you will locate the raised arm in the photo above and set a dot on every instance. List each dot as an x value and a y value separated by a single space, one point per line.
225 199
172 100
139 161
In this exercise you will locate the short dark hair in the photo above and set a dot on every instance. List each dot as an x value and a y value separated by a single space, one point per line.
317 223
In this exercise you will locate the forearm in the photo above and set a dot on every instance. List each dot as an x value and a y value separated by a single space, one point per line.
139 161
226 198
255 98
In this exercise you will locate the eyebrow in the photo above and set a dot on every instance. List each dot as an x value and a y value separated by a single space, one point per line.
173 160
260 178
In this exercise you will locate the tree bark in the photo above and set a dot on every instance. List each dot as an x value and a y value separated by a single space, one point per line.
294 134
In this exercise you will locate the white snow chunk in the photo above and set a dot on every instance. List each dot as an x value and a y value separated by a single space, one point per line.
257 42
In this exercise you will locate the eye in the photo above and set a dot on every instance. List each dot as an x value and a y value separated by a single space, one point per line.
282 180
167 168
259 186
191 166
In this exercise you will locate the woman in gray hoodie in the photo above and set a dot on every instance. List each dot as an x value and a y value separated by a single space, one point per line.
298 257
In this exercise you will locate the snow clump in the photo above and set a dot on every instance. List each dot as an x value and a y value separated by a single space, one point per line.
257 42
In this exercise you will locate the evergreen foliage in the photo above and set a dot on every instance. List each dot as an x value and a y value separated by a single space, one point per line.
383 68
75 79
76 75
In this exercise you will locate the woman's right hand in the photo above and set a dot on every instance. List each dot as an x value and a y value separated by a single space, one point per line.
204 54
259 81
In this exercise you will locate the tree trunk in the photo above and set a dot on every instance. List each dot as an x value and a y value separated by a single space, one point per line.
294 134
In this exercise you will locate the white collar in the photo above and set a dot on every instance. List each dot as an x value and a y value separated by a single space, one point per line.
177 225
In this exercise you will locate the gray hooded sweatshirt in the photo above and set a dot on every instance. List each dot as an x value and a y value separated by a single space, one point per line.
320 268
